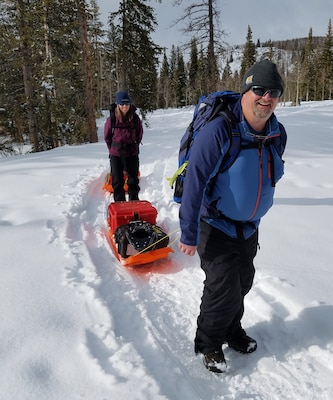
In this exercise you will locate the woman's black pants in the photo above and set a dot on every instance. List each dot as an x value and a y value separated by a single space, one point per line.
130 165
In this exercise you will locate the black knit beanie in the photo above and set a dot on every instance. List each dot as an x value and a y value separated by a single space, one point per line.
263 73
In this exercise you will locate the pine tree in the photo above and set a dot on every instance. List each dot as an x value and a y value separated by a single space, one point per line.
202 81
249 53
164 84
12 92
46 51
202 20
137 53
65 74
227 81
193 92
309 84
173 75
112 59
25 30
180 80
89 105
326 65
97 35
270 54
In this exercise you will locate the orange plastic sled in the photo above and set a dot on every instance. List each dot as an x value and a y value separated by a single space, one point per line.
122 213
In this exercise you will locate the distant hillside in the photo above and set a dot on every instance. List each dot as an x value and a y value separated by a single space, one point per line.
284 52
234 55
295 44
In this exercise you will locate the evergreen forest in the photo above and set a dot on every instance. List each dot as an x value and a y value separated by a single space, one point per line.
60 67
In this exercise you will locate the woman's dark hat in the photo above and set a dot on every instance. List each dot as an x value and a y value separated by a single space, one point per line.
123 97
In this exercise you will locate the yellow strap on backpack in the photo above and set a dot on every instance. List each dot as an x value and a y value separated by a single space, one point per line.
177 173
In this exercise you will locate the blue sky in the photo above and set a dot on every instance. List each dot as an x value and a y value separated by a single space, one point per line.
276 20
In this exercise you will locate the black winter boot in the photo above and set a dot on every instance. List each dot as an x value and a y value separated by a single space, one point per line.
243 344
215 361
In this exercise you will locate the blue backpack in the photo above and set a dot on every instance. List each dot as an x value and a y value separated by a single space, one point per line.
207 108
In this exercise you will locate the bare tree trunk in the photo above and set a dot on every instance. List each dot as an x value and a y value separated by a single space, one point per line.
29 95
27 76
211 53
123 75
88 85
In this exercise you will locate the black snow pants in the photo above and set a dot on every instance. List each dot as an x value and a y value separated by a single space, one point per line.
131 166
229 269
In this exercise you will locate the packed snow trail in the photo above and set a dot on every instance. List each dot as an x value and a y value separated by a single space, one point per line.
78 325
135 315
144 322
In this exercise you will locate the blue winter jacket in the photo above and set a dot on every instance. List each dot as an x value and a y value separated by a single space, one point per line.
243 193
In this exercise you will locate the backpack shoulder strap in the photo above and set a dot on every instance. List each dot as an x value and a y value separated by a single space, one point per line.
113 118
136 119
234 140
234 144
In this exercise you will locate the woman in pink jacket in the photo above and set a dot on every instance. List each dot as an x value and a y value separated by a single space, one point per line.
123 133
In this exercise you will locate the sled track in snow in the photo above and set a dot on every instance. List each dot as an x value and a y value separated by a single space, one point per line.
118 298
161 310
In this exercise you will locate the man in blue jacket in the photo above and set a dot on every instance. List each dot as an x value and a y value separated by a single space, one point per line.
220 212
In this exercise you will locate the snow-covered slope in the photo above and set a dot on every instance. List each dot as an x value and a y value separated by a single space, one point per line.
77 325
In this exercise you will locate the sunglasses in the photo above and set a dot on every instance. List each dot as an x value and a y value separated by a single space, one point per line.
262 91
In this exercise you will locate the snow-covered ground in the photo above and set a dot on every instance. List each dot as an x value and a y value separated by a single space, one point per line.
77 325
